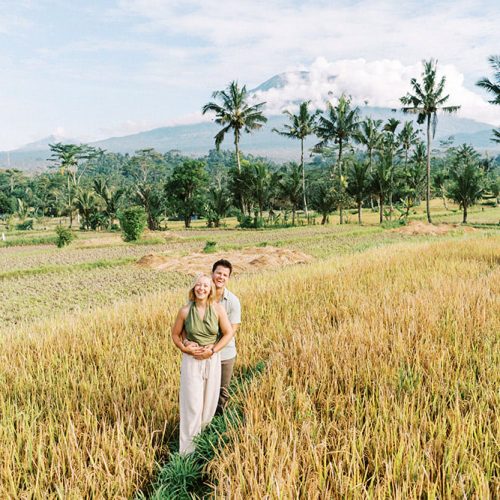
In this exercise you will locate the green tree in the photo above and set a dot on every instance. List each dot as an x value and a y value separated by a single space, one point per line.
148 171
324 197
88 208
291 185
186 189
261 184
425 100
358 182
407 139
390 147
72 161
133 221
236 114
466 178
110 197
339 124
493 87
381 180
370 136
300 127
217 204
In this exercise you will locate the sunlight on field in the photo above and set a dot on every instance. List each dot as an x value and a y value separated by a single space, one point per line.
382 380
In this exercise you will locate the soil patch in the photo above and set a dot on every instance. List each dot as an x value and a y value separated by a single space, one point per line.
418 228
247 260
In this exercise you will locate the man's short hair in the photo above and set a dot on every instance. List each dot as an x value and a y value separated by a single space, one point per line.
224 263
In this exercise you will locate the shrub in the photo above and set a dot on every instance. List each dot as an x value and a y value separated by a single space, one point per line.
210 247
64 236
27 225
133 222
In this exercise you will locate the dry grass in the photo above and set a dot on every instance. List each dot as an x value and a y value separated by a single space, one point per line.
382 381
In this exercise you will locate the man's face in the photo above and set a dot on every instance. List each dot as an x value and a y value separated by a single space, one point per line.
220 276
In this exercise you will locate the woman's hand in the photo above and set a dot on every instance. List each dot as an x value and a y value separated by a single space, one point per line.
193 349
207 353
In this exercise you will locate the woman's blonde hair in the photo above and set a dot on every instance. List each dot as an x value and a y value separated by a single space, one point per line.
211 295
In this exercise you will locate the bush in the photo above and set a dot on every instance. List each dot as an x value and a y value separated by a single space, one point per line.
210 247
133 222
27 225
64 236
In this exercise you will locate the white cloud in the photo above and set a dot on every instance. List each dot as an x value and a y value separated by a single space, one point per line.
379 83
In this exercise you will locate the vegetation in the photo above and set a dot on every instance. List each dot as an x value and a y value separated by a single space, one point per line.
64 236
426 100
493 87
133 222
338 411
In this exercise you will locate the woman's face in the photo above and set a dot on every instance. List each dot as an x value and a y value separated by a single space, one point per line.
202 287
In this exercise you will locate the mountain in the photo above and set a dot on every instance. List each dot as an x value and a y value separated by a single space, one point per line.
197 139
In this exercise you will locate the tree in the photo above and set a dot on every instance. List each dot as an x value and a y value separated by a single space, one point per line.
236 114
302 125
324 198
110 196
358 182
72 161
466 178
339 124
426 100
86 204
381 180
291 186
186 188
217 204
407 138
261 184
493 88
148 171
370 136
390 146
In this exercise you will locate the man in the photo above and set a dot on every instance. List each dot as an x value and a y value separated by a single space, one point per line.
221 272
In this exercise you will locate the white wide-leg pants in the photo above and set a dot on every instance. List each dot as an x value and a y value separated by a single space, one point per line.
200 387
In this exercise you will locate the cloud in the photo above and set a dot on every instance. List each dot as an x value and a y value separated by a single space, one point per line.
378 83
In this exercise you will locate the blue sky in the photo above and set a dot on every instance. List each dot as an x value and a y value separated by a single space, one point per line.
91 70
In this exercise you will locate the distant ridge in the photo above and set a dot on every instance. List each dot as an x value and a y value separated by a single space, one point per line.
198 139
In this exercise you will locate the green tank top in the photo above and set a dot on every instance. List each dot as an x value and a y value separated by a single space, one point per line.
203 331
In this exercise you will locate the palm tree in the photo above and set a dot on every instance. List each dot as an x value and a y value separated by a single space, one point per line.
302 125
390 145
407 138
358 182
235 114
340 124
466 177
291 186
370 137
426 100
493 88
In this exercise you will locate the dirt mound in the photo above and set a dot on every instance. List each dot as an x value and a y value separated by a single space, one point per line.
418 228
243 261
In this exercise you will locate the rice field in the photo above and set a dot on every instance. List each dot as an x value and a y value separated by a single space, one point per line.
381 357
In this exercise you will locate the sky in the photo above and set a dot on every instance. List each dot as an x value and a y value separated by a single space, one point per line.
89 70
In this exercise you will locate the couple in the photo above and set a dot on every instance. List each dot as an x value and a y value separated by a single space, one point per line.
204 331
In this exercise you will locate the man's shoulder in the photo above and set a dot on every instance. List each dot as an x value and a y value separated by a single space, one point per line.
230 296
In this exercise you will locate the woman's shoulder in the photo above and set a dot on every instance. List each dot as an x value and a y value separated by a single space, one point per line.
184 310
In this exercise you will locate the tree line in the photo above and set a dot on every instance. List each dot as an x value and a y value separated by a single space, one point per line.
355 163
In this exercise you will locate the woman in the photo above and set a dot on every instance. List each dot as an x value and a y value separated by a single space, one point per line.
201 319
